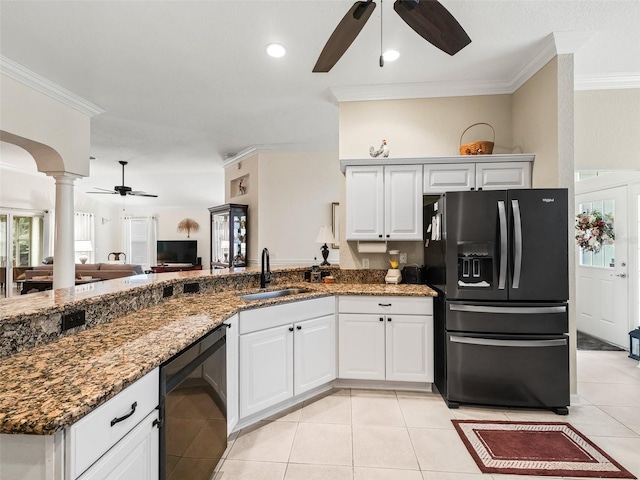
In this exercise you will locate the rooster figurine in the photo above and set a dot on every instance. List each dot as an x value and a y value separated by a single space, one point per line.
383 150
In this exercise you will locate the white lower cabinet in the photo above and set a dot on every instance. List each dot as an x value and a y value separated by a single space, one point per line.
362 347
409 348
266 368
314 348
392 340
233 349
292 353
100 434
135 457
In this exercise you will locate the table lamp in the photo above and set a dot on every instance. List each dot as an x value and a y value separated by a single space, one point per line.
325 235
83 246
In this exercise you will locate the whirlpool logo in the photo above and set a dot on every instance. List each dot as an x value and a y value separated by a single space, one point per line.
548 200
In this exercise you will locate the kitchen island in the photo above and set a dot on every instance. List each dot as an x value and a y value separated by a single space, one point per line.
130 331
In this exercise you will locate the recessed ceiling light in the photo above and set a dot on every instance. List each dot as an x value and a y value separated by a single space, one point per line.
276 50
390 55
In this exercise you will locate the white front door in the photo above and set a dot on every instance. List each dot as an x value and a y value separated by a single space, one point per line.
602 284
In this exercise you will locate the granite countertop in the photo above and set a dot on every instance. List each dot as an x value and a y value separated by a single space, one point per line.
50 386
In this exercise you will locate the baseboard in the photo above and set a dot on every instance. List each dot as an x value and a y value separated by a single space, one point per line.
383 385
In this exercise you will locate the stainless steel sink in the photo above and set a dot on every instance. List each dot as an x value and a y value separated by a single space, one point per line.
273 294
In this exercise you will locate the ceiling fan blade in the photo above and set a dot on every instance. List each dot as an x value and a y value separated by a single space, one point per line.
105 192
344 35
141 194
433 22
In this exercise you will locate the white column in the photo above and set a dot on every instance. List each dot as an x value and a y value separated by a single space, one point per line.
63 247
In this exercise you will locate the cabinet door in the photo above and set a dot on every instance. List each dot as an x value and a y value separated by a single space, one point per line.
403 202
501 176
314 353
266 368
135 457
365 203
361 346
441 178
409 348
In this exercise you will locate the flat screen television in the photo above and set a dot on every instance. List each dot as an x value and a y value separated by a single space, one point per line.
177 251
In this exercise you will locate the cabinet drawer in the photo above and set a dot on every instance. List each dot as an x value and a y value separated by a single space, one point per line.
278 315
95 434
386 305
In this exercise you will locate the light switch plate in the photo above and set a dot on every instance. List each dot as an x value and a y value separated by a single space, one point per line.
365 263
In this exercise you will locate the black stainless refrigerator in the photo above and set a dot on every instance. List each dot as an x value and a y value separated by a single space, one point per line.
500 260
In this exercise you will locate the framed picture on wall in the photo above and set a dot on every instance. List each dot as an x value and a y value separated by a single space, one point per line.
335 224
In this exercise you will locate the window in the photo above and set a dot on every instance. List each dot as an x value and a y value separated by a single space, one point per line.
140 240
21 247
84 236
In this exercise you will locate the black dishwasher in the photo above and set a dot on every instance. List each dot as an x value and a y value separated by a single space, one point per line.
193 425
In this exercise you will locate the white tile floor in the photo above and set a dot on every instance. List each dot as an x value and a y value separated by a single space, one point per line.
369 435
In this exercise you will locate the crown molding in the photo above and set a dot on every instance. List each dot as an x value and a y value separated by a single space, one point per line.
37 82
570 42
266 148
556 43
614 81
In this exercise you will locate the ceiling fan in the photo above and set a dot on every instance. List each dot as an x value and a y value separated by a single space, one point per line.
122 189
429 18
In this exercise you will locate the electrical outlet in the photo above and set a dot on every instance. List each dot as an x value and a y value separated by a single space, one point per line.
365 263
403 257
73 319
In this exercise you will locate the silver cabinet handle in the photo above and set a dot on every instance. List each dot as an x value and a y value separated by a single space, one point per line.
517 241
502 214
495 342
498 309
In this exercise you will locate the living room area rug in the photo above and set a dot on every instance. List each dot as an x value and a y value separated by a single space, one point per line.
536 448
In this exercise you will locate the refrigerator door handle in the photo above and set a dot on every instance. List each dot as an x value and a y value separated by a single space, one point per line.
494 342
498 309
517 240
502 214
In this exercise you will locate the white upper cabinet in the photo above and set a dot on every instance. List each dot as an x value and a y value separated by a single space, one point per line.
449 178
384 202
502 176
440 175
456 177
365 203
403 202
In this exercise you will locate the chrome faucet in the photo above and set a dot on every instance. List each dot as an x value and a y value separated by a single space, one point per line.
265 275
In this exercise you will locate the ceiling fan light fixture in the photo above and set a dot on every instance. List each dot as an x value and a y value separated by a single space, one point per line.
276 50
391 55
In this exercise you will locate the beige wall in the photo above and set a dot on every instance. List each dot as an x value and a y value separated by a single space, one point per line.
296 192
423 127
535 123
607 129
248 166
168 230
289 196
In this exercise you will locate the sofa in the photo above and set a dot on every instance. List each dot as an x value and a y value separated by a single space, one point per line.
103 271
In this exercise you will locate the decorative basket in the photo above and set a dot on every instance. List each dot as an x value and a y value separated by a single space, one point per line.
479 147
